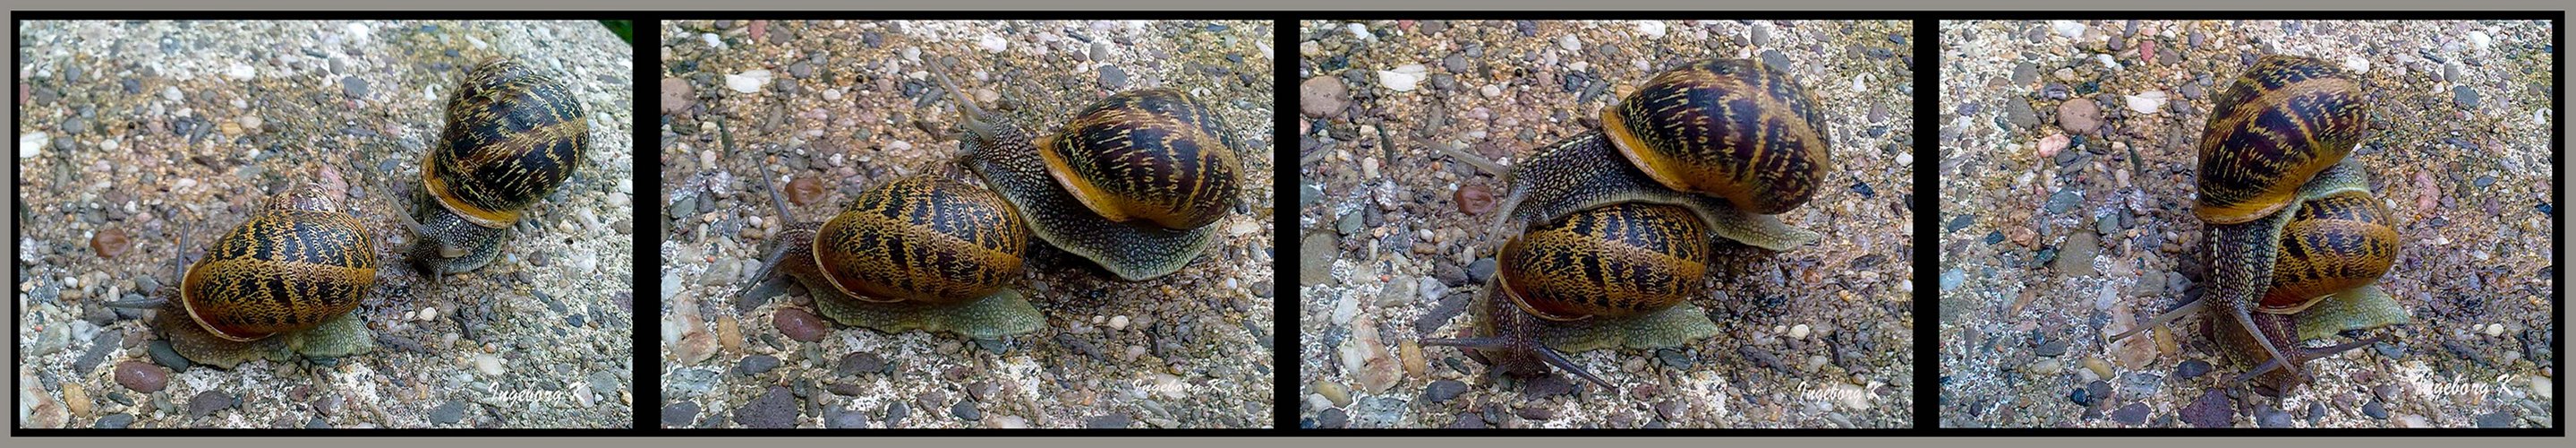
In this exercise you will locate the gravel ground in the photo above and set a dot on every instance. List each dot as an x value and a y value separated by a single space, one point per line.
2047 251
851 101
1386 246
159 130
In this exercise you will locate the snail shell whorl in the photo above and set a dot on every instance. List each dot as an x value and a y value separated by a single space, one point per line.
1731 128
293 265
2282 121
1151 154
2332 244
513 135
1615 261
922 239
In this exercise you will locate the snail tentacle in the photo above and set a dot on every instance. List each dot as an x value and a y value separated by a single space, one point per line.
1557 359
2163 320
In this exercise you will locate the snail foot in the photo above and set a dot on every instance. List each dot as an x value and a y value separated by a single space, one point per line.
1002 314
2362 308
339 337
1672 327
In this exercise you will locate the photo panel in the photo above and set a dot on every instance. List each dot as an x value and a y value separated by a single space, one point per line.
2125 199
967 224
1485 206
325 224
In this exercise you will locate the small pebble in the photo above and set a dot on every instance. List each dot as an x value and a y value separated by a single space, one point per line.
141 377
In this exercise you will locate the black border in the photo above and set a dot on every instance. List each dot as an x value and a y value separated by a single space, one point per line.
1286 376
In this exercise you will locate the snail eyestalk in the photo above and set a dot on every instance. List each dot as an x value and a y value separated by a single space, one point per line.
1497 343
2163 320
1480 162
970 117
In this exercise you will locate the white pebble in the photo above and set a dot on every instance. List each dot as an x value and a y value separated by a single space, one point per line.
2494 330
1652 29
1399 81
2147 103
2068 28
1569 42
994 44
110 145
832 95
170 93
1118 323
1905 159
1360 31
2480 40
712 40
33 144
490 365
2106 61
2356 64
1491 90
426 314
240 71
1799 332
357 30
748 81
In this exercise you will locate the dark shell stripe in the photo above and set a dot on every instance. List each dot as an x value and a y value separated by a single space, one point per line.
513 135
2278 125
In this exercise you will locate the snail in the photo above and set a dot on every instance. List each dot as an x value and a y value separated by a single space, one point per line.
1131 182
286 280
2297 239
1704 152
513 135
921 252
1612 262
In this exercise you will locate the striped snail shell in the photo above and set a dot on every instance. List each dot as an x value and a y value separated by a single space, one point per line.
1616 261
2283 121
1732 128
921 239
513 135
2331 244
1152 154
297 262
1006 156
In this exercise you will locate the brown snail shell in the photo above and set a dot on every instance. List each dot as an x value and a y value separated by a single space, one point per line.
1732 128
1005 156
1152 154
919 239
295 264
513 135
2283 121
1616 261
2331 244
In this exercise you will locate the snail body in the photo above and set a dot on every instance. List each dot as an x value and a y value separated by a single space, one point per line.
1614 225
1132 183
2297 240
285 280
513 135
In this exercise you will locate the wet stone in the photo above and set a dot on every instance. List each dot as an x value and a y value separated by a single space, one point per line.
2273 418
844 419
116 421
965 410
1108 421
2497 419
2211 410
2375 409
2132 414
1481 270
2190 369
206 403
755 365
776 409
448 414
858 363
1444 390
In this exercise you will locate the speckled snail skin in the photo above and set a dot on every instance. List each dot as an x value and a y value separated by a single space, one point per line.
513 135
1132 182
2297 240
1614 225
295 265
